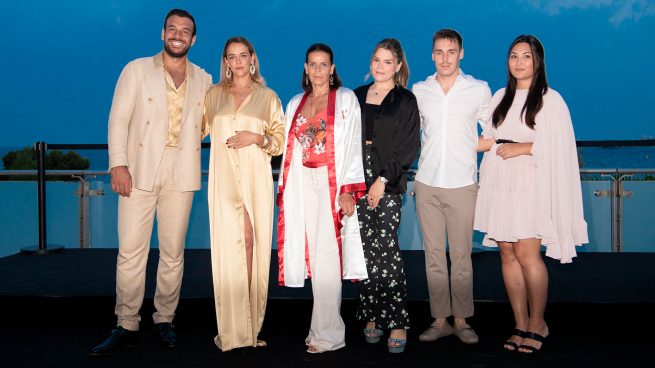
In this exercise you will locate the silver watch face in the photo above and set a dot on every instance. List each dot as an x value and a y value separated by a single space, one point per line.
383 180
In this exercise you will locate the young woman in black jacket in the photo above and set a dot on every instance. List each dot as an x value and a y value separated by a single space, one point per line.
390 141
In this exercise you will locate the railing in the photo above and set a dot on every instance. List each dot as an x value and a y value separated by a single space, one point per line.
615 193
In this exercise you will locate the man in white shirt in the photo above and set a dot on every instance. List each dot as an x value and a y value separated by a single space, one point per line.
451 105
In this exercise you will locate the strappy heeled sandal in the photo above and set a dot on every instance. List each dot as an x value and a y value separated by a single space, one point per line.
531 349
515 346
396 345
372 335
313 349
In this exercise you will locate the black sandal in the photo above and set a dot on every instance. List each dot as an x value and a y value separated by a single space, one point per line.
515 346
535 337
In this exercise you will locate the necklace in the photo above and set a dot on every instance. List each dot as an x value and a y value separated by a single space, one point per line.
378 91
245 86
311 102
321 95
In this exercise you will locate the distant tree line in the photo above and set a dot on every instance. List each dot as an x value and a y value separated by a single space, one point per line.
25 159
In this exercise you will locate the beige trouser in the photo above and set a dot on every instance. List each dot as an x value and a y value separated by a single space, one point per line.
449 211
135 220
327 330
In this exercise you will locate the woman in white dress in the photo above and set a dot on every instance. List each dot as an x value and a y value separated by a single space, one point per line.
529 188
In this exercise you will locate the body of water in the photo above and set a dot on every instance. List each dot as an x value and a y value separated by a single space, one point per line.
592 157
20 222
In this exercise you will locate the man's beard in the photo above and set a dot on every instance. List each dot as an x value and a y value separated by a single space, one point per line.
174 54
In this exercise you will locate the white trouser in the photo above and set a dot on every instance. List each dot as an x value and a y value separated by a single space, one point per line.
327 330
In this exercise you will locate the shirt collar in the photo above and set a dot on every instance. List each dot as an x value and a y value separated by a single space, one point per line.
159 63
460 76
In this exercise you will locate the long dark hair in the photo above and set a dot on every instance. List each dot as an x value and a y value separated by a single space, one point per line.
305 83
538 88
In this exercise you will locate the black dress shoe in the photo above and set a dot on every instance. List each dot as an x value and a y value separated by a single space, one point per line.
166 334
119 337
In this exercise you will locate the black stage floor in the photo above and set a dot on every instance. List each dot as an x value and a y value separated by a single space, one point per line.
591 278
56 307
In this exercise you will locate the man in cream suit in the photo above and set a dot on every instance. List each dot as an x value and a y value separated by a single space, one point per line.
154 158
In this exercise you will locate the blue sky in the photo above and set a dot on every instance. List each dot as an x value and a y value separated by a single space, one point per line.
63 57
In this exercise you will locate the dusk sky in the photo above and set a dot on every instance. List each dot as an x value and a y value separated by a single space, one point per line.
63 57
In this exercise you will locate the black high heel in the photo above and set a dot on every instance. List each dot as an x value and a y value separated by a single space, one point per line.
536 337
515 346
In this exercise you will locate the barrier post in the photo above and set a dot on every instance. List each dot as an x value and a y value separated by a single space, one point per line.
41 249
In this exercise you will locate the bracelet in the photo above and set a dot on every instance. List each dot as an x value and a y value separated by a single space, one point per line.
267 141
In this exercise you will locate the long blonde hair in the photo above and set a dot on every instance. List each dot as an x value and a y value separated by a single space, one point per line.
257 77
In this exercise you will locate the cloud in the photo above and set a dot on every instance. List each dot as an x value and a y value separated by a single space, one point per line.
553 7
622 10
633 10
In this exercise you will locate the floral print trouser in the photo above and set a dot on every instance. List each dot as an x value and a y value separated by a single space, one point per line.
383 296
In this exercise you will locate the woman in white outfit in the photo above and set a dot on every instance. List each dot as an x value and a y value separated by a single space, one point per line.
322 176
529 188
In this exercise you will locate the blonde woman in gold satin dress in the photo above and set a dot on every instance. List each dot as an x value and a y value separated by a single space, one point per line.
246 123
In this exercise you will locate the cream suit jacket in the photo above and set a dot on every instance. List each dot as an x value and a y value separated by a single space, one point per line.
138 123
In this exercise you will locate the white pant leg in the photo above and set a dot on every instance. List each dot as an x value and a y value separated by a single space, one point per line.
327 330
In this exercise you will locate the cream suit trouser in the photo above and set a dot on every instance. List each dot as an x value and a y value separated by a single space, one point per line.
327 330
136 214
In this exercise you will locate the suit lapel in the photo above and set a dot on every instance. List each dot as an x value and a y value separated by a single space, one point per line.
194 91
157 83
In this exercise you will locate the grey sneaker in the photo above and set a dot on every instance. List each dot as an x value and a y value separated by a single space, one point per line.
466 334
436 331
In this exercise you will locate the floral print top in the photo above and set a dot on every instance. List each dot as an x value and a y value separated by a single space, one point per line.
311 134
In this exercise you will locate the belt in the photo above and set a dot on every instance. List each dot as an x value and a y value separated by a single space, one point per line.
501 141
314 165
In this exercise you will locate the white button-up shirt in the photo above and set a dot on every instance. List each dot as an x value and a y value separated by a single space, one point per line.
449 134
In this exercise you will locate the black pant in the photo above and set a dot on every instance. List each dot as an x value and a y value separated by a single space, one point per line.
383 296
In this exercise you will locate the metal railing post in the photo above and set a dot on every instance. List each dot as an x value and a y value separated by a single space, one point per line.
616 216
616 194
83 214
42 248
619 195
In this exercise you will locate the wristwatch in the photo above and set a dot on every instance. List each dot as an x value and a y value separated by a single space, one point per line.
383 180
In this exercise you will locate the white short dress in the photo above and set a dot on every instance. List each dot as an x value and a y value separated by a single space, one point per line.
506 203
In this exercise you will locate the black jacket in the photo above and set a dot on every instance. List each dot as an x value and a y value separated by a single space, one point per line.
396 135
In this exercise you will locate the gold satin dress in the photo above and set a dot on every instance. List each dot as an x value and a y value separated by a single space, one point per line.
241 178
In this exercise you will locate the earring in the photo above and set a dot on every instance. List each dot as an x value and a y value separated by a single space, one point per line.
228 73
331 80
306 80
252 69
